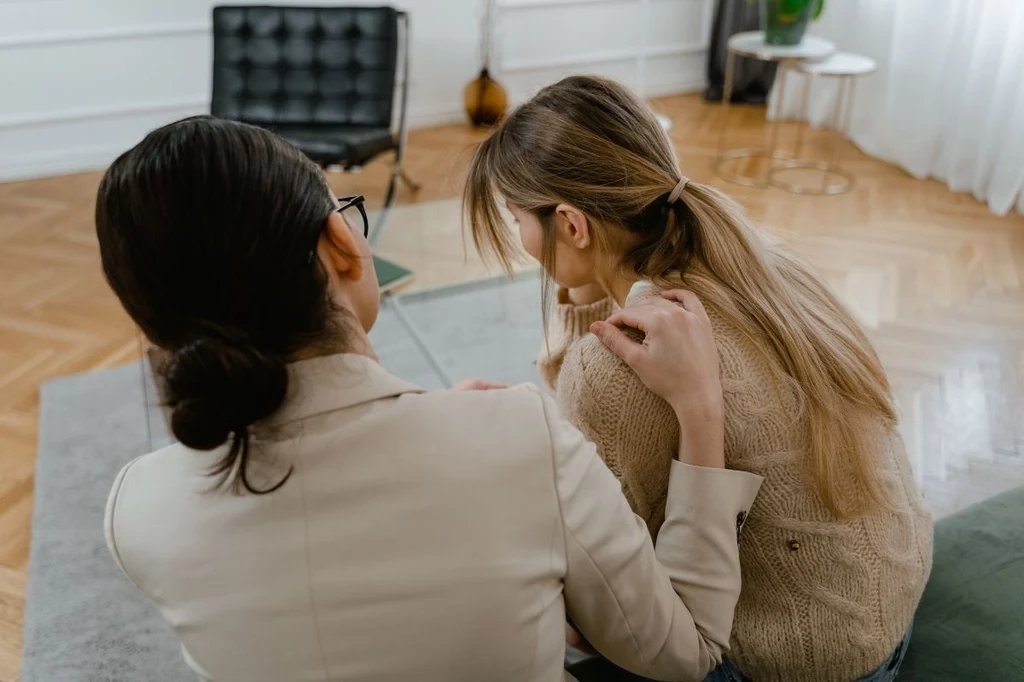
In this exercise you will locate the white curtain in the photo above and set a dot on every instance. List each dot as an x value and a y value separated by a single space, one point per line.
948 98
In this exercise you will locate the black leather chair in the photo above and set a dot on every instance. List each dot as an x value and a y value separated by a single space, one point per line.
324 78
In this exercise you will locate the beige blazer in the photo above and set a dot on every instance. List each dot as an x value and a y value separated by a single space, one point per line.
432 536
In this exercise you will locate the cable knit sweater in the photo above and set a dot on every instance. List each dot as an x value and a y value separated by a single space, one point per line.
823 600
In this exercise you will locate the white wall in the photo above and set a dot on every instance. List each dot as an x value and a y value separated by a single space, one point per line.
82 80
657 47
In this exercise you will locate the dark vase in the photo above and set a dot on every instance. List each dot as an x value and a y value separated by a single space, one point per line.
785 21
485 100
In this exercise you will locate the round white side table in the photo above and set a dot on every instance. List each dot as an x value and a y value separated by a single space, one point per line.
752 44
845 66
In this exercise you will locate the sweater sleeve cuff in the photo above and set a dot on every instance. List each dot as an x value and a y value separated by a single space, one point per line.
711 497
575 320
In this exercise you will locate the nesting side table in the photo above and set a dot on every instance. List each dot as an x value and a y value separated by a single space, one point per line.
752 44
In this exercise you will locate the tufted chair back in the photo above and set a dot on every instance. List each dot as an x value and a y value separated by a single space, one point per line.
330 66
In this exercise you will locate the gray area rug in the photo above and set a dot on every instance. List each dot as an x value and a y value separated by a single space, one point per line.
84 621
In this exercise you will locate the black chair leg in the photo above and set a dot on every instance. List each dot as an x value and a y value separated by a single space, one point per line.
397 173
389 201
392 193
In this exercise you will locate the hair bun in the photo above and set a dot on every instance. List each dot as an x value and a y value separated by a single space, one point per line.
215 388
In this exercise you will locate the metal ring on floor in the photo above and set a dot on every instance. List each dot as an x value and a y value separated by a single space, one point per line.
748 153
824 188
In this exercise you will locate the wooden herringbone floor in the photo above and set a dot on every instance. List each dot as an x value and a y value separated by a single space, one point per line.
936 277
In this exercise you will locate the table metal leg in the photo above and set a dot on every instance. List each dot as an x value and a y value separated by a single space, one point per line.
847 83
773 135
837 131
828 168
726 156
805 116
730 68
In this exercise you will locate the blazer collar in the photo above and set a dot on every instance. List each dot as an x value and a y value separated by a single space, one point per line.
335 382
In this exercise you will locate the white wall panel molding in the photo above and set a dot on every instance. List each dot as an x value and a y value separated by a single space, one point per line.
113 111
160 30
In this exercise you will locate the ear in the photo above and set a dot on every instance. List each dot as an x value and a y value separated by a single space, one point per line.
337 247
572 226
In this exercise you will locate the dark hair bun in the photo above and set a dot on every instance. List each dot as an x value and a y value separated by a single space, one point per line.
215 388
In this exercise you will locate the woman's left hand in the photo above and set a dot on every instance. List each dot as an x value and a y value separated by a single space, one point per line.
678 361
677 358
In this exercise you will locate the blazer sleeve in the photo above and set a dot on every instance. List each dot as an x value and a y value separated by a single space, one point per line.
112 520
568 323
662 613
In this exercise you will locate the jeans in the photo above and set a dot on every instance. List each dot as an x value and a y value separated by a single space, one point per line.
598 669
886 672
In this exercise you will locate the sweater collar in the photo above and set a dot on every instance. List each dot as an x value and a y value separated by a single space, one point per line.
640 291
334 382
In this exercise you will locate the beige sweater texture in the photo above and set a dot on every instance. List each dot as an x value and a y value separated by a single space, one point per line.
823 599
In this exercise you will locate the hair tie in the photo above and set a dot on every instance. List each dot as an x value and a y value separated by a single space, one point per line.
677 191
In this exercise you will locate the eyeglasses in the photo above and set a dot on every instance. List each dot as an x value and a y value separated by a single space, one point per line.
357 201
348 202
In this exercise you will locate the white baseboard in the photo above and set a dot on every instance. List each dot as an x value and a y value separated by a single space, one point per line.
81 140
428 117
679 88
62 163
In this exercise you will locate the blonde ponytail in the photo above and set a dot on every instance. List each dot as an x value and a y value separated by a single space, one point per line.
792 317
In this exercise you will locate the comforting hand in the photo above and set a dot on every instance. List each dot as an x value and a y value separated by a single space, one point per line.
478 385
677 358
678 361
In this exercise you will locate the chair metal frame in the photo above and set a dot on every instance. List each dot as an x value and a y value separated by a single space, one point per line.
397 171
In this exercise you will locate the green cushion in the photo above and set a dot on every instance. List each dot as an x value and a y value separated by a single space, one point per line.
970 625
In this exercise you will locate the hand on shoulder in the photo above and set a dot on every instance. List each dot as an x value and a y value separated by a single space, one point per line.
678 360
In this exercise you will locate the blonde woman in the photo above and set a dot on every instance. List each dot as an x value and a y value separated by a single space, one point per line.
836 549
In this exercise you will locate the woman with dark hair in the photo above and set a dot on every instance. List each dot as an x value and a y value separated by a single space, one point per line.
321 519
